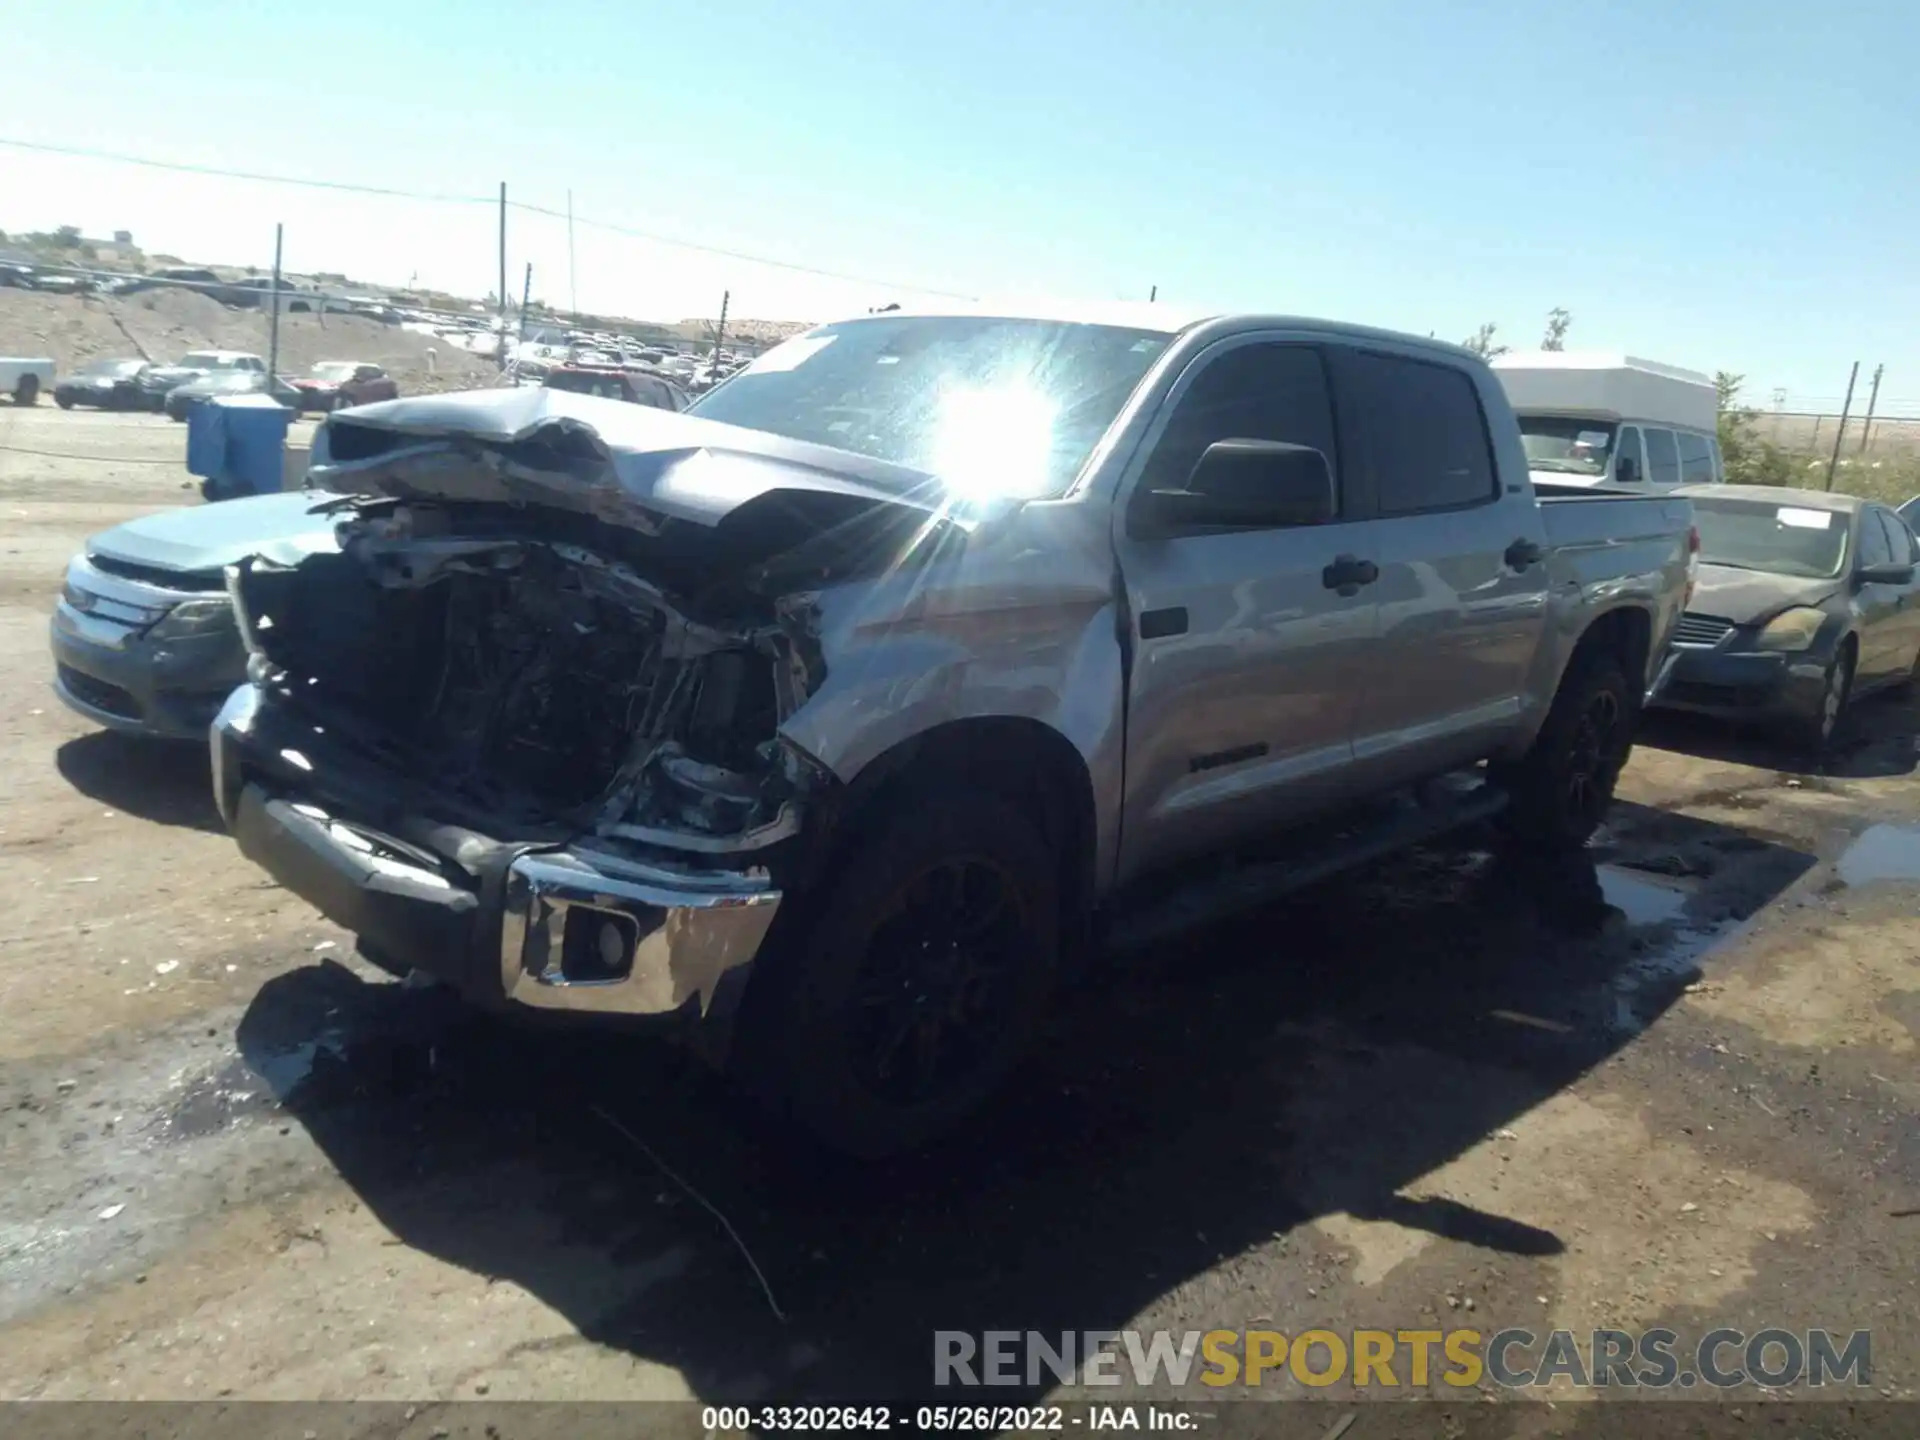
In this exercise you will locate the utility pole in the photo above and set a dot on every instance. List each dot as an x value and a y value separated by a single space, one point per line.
720 330
1846 405
500 353
273 302
573 278
526 295
1873 398
1153 294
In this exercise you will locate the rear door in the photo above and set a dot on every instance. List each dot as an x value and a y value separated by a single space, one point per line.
1463 568
1240 698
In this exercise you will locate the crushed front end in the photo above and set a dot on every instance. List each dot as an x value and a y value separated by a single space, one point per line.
514 763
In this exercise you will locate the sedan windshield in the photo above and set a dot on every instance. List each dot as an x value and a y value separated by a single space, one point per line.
1566 447
333 370
1768 536
994 407
112 369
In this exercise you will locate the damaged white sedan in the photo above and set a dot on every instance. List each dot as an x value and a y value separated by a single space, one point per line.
840 716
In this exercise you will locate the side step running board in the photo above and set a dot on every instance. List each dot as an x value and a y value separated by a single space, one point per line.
1249 886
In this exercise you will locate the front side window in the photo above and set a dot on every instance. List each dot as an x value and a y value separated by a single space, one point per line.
994 407
1251 392
1629 459
1426 440
1696 458
1663 457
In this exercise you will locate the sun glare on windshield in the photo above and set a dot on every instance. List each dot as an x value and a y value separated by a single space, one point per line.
993 442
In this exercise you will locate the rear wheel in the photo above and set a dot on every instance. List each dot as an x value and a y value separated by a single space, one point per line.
914 983
65 402
1561 789
27 392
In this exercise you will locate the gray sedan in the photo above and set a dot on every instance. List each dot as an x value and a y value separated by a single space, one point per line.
1805 601
143 634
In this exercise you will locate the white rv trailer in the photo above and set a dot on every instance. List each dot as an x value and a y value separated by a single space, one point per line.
1594 419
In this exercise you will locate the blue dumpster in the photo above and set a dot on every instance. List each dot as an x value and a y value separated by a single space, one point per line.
236 444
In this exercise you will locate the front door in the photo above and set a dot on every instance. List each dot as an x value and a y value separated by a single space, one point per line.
1245 646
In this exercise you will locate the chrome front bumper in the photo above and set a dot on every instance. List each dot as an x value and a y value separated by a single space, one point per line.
576 928
682 930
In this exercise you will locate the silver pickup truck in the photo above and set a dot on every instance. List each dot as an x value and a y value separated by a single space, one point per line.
848 714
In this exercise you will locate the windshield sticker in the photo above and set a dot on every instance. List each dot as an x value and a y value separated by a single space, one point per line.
1804 519
791 355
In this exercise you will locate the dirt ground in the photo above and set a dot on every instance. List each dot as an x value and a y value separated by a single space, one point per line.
1676 1084
162 325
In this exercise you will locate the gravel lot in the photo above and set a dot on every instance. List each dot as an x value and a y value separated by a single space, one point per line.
1435 1092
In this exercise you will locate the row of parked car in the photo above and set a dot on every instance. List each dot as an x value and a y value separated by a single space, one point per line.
127 383
793 718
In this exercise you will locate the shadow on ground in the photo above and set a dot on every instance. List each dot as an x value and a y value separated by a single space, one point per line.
166 782
1314 1058
1877 739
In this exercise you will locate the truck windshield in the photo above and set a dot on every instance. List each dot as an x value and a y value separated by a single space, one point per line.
1566 447
994 407
1766 535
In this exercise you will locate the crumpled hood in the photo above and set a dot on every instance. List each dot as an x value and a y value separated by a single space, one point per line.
626 464
201 538
1747 597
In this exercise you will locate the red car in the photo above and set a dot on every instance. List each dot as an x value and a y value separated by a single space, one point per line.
336 384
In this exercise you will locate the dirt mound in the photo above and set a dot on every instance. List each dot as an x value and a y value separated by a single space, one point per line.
164 324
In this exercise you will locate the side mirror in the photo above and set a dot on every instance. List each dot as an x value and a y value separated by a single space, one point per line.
1243 485
1625 472
1892 573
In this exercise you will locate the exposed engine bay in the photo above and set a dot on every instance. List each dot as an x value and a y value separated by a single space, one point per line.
540 680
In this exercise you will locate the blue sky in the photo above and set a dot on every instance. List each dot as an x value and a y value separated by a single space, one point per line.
1720 185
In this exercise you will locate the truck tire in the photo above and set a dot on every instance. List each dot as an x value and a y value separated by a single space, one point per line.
27 392
1559 791
914 980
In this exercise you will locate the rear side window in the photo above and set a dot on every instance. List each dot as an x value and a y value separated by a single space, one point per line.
1696 458
1425 437
1252 392
1663 457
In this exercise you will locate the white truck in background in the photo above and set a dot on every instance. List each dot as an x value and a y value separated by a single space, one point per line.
1597 419
26 380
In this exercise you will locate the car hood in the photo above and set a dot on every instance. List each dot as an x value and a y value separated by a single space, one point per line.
625 464
1747 597
201 538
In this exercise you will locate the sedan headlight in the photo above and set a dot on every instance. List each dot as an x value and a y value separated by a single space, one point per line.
192 618
1793 629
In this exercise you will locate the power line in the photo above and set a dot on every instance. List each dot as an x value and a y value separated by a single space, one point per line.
390 192
182 167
